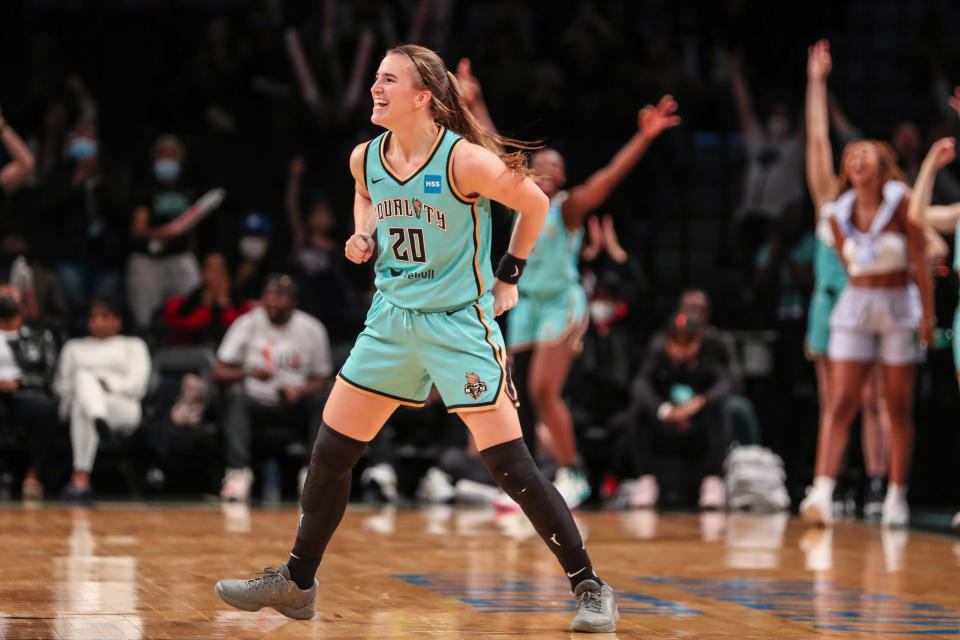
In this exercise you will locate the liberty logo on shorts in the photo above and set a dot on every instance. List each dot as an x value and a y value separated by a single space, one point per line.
475 386
431 184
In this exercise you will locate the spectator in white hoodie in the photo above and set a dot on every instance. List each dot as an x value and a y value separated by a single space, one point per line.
100 381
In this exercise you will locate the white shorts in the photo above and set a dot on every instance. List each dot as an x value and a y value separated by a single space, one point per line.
876 324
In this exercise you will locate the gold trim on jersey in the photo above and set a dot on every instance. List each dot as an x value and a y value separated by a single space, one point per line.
450 181
503 387
426 161
366 149
477 273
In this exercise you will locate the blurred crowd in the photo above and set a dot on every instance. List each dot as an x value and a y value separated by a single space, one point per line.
195 355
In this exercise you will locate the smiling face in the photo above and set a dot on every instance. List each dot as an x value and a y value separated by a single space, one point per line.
397 91
549 171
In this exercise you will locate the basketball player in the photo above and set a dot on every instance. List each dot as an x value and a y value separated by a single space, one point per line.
424 188
889 296
545 329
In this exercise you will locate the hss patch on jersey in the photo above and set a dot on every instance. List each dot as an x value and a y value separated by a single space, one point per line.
475 387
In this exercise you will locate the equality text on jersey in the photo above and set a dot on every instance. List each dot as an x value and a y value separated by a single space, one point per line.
410 208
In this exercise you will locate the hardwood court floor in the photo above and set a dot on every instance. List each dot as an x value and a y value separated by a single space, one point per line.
128 571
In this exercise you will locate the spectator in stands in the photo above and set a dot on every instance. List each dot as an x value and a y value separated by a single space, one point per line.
277 360
41 296
14 173
203 315
739 414
774 149
28 358
675 410
85 214
253 261
100 381
162 264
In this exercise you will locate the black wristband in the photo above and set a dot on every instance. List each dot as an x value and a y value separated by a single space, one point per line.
510 268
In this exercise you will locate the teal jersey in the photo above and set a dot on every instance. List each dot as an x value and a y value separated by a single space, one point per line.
956 248
434 242
828 270
552 264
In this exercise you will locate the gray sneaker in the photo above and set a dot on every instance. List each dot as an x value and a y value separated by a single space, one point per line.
272 589
596 609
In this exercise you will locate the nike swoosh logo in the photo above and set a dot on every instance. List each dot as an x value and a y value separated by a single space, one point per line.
570 575
516 271
553 539
395 272
377 180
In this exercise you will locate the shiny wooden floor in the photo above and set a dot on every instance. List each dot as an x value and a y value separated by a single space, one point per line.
127 571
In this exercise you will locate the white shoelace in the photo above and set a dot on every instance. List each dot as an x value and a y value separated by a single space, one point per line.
591 601
271 576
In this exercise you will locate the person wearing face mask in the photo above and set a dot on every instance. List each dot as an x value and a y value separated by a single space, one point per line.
739 414
774 150
17 170
615 283
85 211
675 410
253 253
162 264
28 356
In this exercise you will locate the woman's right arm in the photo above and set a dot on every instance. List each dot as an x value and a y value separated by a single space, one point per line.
361 244
820 176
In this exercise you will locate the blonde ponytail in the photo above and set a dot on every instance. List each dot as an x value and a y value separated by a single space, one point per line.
450 109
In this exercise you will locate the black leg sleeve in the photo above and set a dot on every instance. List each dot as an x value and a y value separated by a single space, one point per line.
515 472
324 500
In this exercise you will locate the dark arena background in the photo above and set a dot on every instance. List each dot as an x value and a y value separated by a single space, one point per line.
170 167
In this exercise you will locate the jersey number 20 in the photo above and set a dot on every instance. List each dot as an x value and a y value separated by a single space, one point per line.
408 244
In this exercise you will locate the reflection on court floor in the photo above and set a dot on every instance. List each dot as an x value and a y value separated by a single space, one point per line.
127 571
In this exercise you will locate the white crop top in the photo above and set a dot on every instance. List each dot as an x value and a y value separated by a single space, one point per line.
888 254
872 251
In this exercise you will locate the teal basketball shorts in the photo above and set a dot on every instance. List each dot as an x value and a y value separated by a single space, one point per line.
402 352
548 320
818 321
